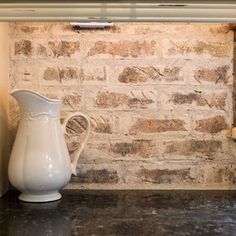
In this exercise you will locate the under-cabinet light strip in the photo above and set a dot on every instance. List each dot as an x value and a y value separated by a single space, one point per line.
197 12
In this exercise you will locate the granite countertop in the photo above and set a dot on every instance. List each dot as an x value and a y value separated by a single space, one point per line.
122 213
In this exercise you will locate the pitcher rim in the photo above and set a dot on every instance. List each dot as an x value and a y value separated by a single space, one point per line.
35 93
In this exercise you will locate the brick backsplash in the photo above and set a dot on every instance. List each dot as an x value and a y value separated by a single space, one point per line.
159 97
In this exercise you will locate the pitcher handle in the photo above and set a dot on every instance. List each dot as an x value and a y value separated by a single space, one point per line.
77 153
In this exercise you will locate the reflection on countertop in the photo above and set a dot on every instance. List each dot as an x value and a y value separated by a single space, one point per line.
122 213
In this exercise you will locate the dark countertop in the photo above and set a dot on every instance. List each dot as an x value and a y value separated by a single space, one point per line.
122 213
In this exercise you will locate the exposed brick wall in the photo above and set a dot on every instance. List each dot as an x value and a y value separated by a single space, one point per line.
159 97
234 73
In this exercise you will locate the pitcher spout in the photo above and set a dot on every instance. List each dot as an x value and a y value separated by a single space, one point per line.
32 101
20 94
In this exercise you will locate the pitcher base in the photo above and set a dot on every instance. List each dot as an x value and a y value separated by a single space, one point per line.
40 198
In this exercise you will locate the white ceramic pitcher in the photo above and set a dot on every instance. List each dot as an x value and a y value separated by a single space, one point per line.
40 164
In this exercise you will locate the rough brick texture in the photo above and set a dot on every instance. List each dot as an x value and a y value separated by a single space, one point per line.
158 95
234 81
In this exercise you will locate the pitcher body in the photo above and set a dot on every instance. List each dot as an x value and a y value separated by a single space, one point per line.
40 164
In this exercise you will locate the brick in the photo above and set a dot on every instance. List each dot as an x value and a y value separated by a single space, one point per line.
100 176
123 48
101 125
172 73
221 173
217 75
32 28
72 100
155 125
63 48
139 147
51 73
136 75
179 98
93 73
166 176
23 47
214 49
41 50
182 30
193 147
28 28
68 73
139 74
211 125
106 99
103 128
61 74
23 75
215 100
104 123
